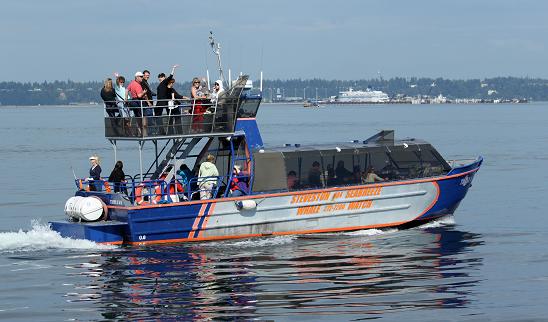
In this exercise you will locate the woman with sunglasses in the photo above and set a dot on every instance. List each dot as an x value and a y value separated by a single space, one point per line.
198 108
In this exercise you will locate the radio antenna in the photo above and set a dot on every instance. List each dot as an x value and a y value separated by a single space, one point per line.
216 47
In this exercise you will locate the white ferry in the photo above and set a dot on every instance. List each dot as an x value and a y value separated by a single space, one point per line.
368 96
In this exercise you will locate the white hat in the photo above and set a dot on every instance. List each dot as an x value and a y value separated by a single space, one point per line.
93 157
137 74
237 168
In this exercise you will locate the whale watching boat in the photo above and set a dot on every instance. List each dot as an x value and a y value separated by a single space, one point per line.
291 189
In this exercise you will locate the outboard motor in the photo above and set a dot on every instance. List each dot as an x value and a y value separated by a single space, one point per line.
85 208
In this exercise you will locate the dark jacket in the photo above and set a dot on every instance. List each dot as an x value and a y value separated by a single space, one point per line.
117 175
164 93
108 97
149 93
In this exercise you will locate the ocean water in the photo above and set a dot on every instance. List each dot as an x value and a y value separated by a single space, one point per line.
487 263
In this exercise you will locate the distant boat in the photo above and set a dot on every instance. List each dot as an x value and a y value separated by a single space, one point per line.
311 104
367 96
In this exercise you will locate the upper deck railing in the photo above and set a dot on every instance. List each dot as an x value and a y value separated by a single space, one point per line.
142 119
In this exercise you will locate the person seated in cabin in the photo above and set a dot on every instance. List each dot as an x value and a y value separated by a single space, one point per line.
207 177
370 176
292 180
117 176
342 174
315 175
331 180
95 174
238 185
356 174
109 97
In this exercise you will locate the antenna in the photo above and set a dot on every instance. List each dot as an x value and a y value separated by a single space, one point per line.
216 47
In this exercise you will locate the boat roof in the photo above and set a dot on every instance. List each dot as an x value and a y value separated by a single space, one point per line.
384 138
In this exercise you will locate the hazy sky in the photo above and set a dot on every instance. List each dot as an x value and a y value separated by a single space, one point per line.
88 40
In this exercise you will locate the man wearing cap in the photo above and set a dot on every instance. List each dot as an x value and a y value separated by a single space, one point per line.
95 173
136 91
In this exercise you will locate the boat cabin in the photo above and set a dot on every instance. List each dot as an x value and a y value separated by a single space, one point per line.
298 167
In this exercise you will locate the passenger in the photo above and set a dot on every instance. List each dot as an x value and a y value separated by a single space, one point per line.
356 174
109 97
135 93
342 174
163 92
370 176
331 180
207 177
120 90
95 173
149 94
217 90
198 109
117 176
315 175
185 173
292 180
238 186
174 109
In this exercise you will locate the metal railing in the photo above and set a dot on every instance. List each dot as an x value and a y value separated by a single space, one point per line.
158 191
138 119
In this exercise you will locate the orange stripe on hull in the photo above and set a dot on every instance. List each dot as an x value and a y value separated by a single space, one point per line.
204 224
197 220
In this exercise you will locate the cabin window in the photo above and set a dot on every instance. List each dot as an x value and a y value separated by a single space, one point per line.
269 172
249 108
303 170
342 168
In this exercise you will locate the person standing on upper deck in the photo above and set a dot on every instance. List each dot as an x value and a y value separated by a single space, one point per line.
120 91
149 94
198 108
109 97
217 90
136 93
164 93
207 177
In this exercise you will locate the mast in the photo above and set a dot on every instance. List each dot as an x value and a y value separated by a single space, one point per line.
216 47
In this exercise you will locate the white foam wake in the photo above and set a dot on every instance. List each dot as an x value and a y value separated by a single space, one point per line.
41 237
441 222
253 242
371 232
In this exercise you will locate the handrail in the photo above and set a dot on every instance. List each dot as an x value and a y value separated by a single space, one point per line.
135 119
154 191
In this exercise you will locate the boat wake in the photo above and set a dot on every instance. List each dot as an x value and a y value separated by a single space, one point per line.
41 237
253 242
441 222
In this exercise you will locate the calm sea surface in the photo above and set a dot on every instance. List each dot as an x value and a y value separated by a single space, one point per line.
488 262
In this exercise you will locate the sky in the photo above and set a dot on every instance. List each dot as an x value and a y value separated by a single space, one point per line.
348 40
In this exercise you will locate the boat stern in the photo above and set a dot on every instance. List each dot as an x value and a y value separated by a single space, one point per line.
106 232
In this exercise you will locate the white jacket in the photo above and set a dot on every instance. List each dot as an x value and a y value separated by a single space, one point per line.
207 169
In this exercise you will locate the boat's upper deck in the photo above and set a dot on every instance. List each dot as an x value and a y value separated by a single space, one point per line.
166 119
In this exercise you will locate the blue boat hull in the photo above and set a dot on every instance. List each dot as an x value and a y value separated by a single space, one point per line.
389 204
